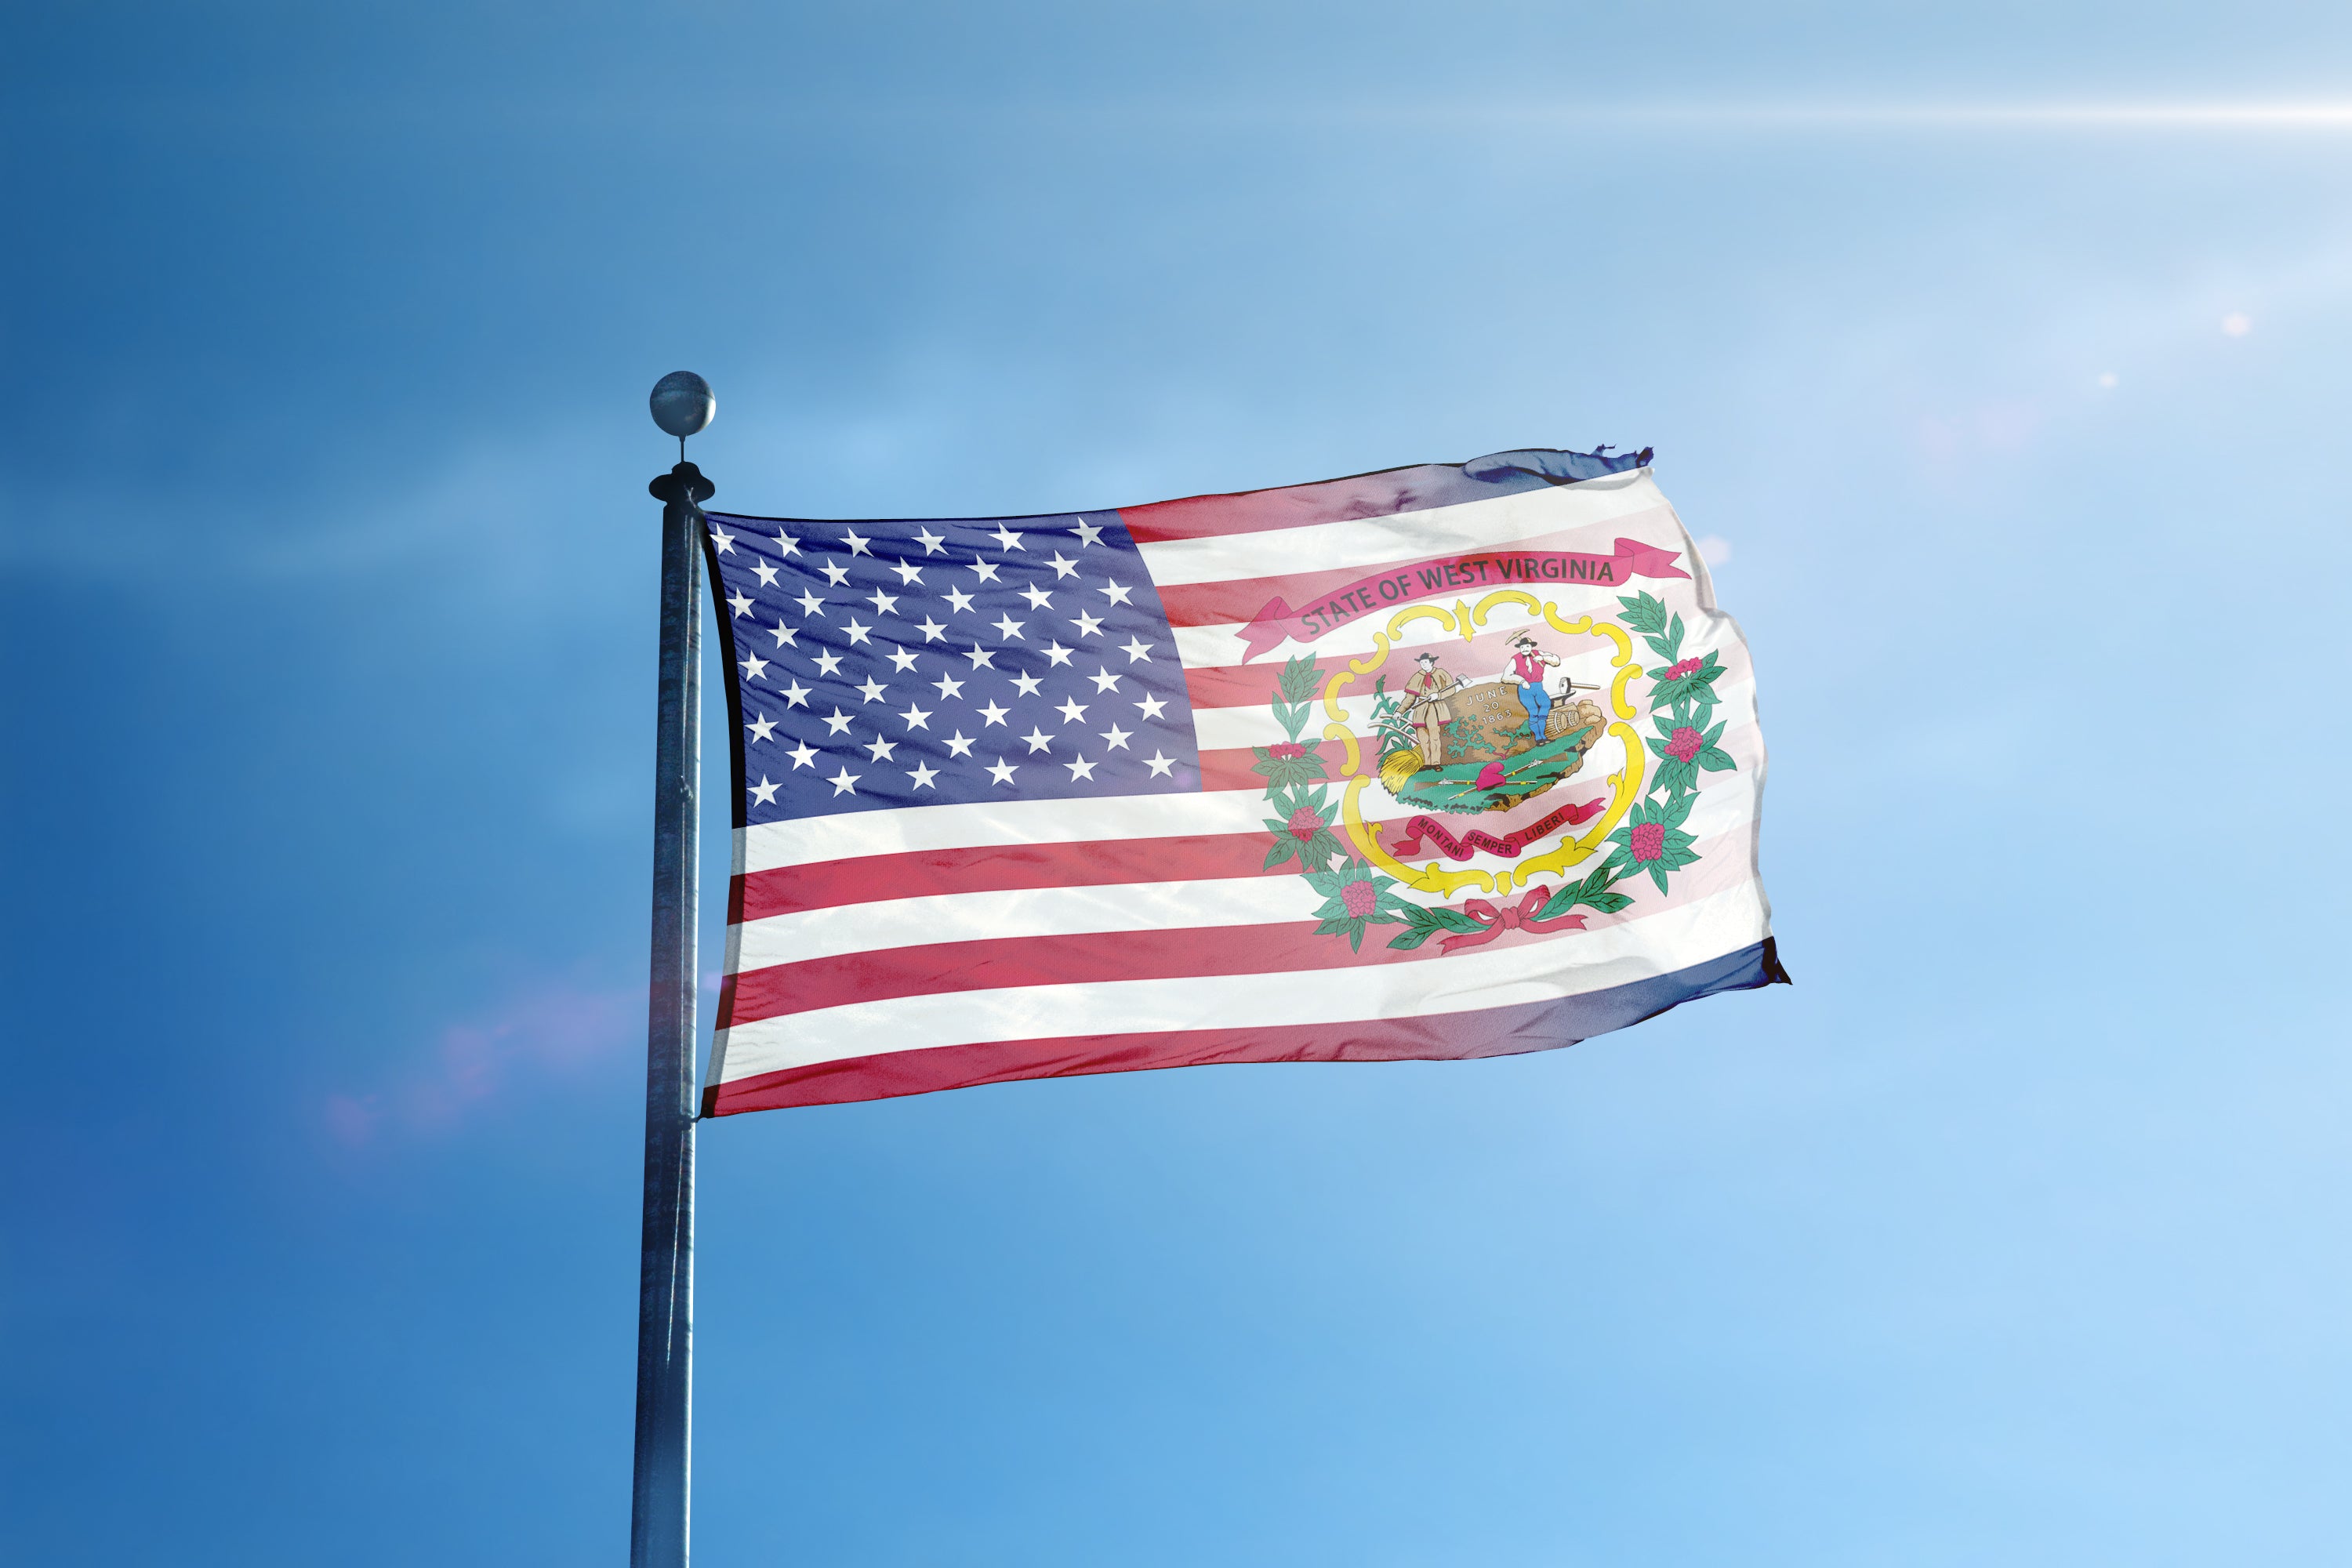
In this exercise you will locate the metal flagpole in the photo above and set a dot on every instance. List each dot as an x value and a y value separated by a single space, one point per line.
682 404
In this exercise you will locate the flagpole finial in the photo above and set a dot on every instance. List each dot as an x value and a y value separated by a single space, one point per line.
683 406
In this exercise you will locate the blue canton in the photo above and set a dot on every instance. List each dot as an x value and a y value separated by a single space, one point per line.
879 665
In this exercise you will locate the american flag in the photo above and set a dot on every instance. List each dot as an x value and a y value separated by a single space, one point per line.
1032 796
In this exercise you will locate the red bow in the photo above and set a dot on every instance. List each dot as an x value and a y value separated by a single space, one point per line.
1520 916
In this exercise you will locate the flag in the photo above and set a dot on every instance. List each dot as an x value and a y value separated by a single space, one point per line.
1440 761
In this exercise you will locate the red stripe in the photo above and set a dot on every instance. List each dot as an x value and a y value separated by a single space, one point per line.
1454 1037
993 964
1014 867
998 868
1382 494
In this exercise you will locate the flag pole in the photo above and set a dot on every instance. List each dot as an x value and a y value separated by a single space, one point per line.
682 404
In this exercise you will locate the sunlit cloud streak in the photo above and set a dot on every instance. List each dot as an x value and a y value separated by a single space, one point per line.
516 1050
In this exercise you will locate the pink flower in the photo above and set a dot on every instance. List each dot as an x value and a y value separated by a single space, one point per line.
1649 840
1359 898
1285 751
1685 744
1305 824
1687 667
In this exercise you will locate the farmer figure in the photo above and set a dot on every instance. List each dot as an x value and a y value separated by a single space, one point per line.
1427 688
1528 664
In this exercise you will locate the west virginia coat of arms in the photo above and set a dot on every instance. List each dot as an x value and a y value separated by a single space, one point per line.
1534 752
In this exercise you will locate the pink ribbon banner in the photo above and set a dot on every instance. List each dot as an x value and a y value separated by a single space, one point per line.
1479 840
1477 572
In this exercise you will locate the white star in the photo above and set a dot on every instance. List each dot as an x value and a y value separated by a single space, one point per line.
1159 764
879 749
1135 649
909 574
722 540
763 793
1090 625
857 542
809 604
1081 769
1089 532
948 685
828 664
917 718
843 782
884 603
1116 737
1059 654
1071 711
979 656
1007 628
958 746
1117 595
835 572
1151 706
856 633
1006 539
1038 598
904 658
930 541
1025 685
1103 680
739 604
801 754
986 570
959 601
796 695
1001 771
786 545
838 723
993 714
764 573
754 667
786 636
1038 739
872 690
762 728
923 776
1062 568
932 631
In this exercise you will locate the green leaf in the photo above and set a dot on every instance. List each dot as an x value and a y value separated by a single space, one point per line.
1407 939
1298 678
1716 760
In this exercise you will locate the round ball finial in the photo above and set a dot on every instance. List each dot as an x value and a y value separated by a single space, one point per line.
682 404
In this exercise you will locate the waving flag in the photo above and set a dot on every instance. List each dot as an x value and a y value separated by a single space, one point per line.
1439 761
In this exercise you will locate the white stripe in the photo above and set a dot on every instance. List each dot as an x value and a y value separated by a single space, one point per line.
1717 819
1576 963
1024 913
1402 536
1224 728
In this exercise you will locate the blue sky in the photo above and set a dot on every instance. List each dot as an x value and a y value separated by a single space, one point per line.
2012 1233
